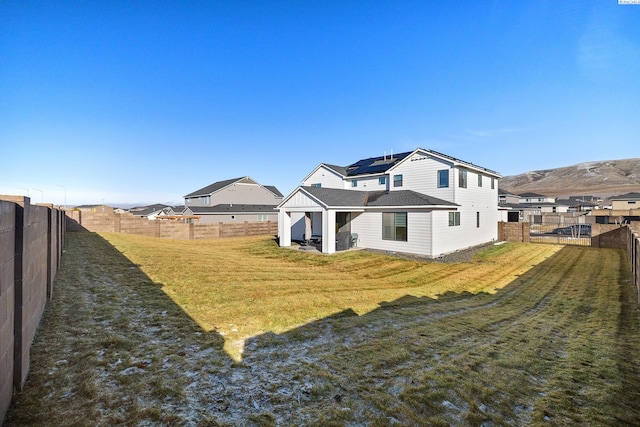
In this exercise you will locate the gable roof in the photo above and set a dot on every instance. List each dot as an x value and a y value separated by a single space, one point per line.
274 190
532 195
205 191
381 164
148 210
628 196
336 197
217 186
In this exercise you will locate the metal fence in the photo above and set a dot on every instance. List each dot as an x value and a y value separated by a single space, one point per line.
561 233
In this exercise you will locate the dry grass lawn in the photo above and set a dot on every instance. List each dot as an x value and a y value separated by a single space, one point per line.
241 332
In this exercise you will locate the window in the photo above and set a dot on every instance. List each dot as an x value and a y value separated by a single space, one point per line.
493 184
443 178
394 226
318 185
462 179
479 180
477 219
397 180
354 183
263 217
382 180
454 219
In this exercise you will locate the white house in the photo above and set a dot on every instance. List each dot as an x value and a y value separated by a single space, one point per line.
420 202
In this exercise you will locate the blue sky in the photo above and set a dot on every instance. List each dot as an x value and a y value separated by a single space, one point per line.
143 102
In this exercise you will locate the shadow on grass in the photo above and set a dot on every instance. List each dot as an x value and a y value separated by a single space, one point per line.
412 361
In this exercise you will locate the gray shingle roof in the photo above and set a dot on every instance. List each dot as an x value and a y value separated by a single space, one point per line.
274 190
628 196
209 189
204 191
336 197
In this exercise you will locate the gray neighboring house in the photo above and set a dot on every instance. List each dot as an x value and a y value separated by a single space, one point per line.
151 211
234 200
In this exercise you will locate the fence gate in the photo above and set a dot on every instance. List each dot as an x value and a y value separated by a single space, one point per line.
565 233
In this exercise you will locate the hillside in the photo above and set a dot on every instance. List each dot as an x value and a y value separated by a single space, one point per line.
601 178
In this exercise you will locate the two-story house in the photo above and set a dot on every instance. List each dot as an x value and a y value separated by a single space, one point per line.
233 200
421 202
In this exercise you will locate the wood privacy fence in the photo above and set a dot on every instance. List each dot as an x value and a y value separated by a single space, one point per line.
31 244
127 223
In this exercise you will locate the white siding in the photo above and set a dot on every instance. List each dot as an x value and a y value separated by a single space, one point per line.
368 225
325 177
367 183
420 173
301 200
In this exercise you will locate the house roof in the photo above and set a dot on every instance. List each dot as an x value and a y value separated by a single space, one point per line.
381 164
231 208
205 191
531 195
628 196
274 190
147 210
216 186
336 197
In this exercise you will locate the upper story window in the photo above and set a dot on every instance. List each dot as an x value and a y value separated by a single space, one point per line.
354 183
443 178
318 185
462 178
382 180
493 183
479 180
397 180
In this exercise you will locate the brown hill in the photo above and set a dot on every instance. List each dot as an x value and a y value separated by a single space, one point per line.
601 178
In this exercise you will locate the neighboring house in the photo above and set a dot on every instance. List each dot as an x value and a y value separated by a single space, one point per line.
625 201
152 211
579 203
505 198
421 202
623 209
531 207
535 198
232 200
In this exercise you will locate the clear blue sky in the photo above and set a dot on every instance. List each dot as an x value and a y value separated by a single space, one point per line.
142 102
